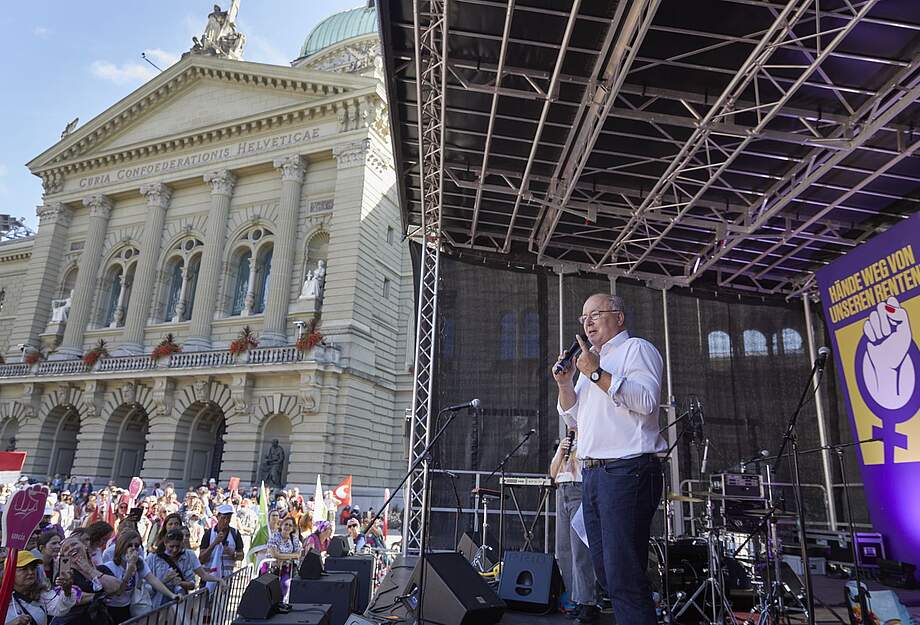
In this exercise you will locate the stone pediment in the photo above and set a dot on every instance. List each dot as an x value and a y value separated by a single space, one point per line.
198 93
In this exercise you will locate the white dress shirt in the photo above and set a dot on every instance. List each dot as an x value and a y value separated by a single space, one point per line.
623 422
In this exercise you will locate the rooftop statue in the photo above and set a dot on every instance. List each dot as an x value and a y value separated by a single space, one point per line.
220 37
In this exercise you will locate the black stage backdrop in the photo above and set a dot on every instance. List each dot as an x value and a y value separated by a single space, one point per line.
746 359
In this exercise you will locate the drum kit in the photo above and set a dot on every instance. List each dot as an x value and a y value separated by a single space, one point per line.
733 566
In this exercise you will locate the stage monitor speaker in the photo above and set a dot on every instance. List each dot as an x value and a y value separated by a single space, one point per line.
260 597
468 546
363 567
357 619
384 604
311 567
338 547
897 574
454 593
530 581
300 614
338 589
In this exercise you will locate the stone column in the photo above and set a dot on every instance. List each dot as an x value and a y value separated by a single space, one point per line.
222 183
158 196
100 207
41 281
274 329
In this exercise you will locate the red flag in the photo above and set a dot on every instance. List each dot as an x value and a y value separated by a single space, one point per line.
342 493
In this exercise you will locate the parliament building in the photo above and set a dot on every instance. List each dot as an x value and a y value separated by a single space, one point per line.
221 196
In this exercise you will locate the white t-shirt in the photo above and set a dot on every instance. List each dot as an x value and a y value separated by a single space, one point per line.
123 599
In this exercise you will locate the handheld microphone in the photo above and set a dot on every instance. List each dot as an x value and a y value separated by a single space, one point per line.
568 452
473 403
570 355
821 360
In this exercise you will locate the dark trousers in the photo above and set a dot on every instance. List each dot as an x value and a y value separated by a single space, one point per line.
619 501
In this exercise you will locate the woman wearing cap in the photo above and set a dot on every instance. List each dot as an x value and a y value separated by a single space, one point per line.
284 546
127 566
318 541
32 603
176 566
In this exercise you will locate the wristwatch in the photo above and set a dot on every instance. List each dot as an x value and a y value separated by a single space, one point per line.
596 376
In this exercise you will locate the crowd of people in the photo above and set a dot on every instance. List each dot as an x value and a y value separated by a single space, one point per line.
101 556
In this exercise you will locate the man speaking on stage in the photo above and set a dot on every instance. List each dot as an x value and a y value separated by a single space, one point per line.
614 407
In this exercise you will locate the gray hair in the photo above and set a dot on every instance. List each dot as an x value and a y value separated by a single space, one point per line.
614 301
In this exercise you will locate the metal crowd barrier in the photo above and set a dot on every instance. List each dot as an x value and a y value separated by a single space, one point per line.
201 607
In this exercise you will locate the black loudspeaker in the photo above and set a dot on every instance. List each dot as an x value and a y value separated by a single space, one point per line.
363 567
384 604
530 581
338 547
339 589
260 597
454 593
300 614
468 546
357 619
311 567
897 574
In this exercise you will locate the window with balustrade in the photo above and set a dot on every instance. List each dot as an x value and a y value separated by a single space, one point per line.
183 262
250 272
117 280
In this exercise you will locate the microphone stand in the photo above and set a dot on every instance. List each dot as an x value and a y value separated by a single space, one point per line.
453 483
790 437
501 499
423 457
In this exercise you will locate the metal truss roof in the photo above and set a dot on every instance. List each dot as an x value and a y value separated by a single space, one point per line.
738 144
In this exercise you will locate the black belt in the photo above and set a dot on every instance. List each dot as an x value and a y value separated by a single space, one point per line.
592 463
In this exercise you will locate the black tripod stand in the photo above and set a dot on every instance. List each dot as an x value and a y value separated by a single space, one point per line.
501 485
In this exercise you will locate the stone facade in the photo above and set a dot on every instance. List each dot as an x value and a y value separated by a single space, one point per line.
196 206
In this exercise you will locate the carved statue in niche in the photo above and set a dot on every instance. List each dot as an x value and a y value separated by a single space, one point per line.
273 465
60 309
316 281
12 444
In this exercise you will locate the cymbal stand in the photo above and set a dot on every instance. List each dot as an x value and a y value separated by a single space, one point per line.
480 558
713 586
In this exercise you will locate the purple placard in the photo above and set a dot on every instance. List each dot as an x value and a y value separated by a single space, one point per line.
871 301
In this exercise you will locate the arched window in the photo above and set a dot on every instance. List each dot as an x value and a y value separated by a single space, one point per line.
251 265
720 344
755 343
242 282
508 338
182 275
792 341
116 287
531 335
263 275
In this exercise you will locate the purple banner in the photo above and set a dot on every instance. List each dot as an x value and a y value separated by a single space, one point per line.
871 300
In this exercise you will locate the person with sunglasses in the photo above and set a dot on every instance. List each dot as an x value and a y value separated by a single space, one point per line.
614 407
132 571
176 566
33 602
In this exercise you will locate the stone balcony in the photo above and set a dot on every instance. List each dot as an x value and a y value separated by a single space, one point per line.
182 361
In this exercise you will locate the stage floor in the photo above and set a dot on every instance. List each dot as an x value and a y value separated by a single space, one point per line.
829 590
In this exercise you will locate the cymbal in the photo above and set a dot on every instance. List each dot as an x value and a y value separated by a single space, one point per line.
684 498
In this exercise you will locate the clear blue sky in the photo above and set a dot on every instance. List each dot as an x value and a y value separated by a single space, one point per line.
61 60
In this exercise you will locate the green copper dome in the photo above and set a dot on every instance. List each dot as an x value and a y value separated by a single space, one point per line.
339 27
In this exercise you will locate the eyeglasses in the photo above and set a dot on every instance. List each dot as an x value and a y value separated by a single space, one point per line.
595 315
